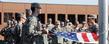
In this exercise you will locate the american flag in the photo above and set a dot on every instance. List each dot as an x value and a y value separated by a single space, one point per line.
79 36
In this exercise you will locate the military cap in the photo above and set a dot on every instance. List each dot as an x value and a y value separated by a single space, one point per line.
28 10
92 16
35 5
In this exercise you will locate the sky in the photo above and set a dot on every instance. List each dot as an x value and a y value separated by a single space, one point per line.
81 2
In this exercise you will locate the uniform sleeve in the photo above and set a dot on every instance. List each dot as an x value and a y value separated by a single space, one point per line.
17 30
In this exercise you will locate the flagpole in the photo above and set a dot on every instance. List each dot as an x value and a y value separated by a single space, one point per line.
103 21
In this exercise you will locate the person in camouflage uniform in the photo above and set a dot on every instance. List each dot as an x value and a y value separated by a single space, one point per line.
32 25
21 18
6 32
26 38
93 26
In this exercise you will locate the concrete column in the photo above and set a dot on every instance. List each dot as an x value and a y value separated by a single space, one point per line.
76 17
45 18
66 16
2 18
14 14
86 18
56 17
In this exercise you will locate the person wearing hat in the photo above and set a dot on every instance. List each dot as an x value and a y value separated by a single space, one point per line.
32 22
33 16
28 13
21 18
35 7
93 26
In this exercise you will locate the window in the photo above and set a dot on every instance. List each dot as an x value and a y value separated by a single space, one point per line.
81 18
42 18
52 16
61 17
71 18
7 16
16 16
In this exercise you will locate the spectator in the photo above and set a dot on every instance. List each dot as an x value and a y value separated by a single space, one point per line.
50 25
58 28
44 34
69 27
77 27
63 26
84 27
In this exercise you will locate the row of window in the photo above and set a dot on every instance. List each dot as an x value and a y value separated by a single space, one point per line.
61 17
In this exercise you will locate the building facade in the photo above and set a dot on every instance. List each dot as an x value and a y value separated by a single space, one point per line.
54 11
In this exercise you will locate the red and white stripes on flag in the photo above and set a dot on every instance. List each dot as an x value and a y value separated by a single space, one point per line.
87 37
79 37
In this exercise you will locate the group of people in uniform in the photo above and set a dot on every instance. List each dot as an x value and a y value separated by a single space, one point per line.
27 28
24 28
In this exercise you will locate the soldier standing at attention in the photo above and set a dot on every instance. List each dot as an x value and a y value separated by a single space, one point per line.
33 24
33 19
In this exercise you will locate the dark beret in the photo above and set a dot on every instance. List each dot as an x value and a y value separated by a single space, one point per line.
18 15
